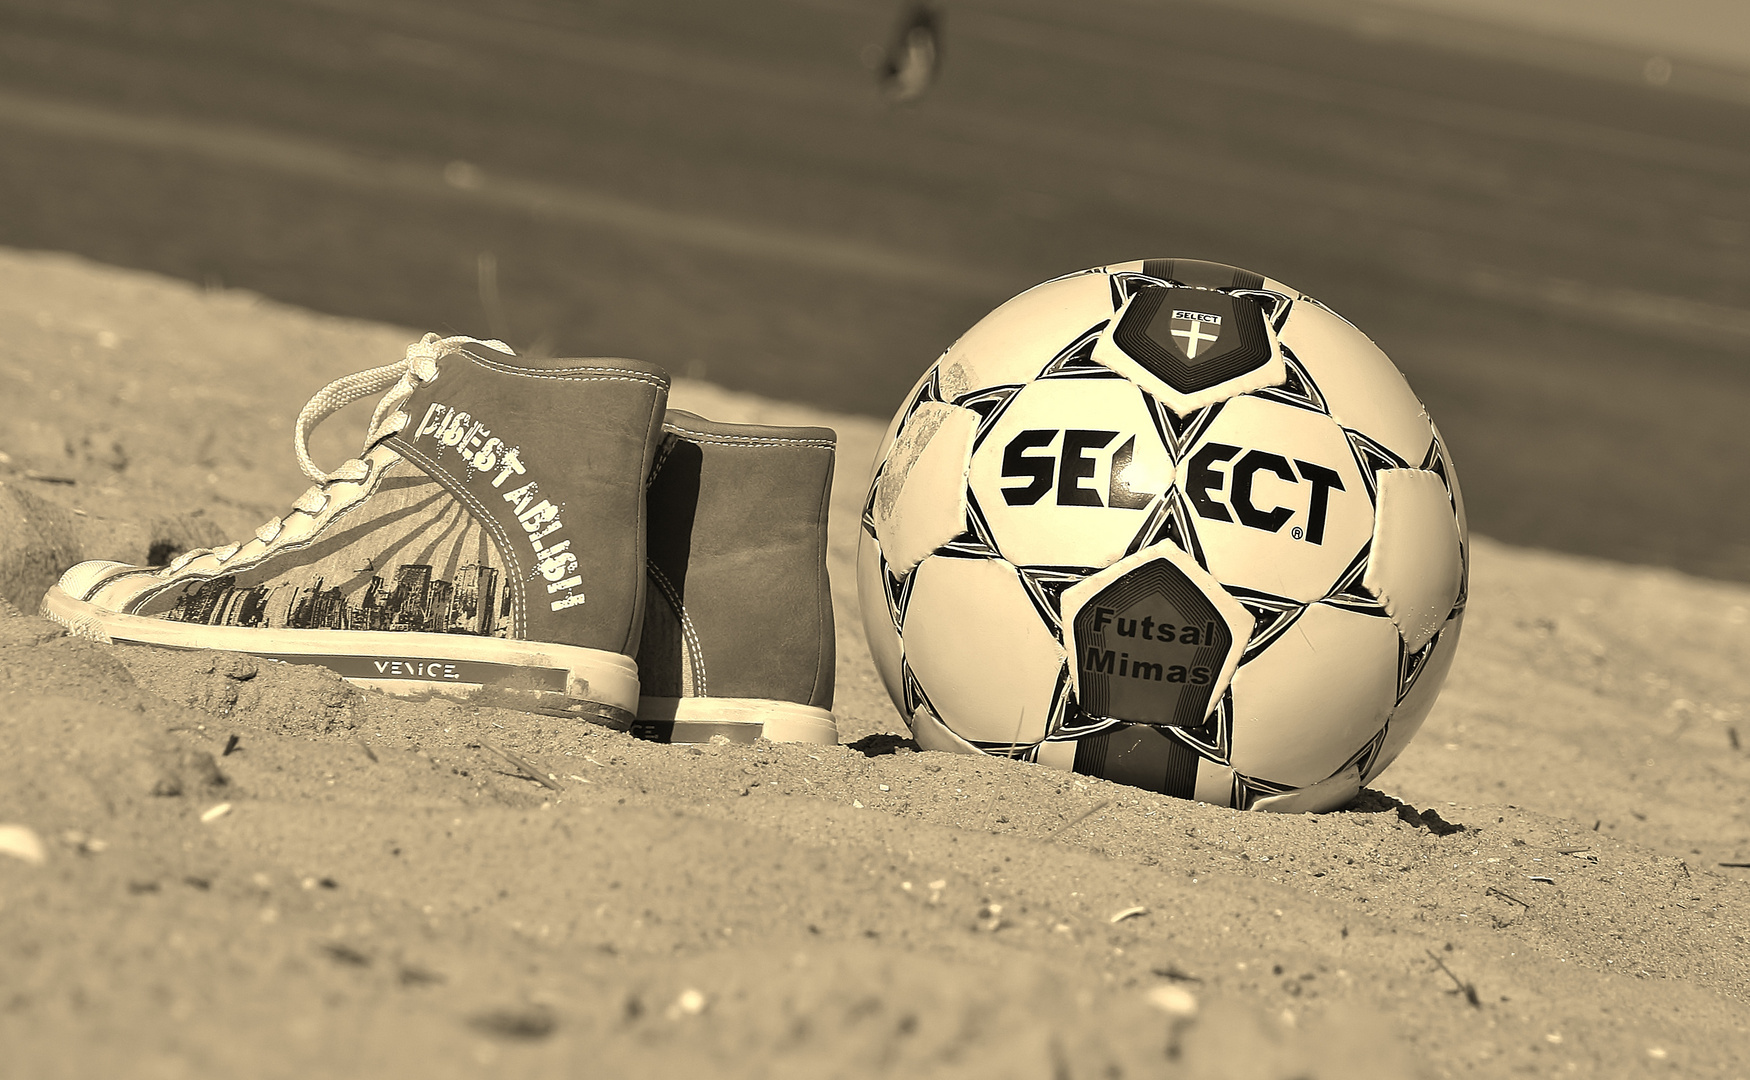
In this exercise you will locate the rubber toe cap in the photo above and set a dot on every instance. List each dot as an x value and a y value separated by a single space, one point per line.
83 579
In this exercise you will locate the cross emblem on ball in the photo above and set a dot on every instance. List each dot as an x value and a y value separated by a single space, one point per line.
1195 336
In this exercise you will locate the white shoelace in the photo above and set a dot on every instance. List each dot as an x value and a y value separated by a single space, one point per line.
400 378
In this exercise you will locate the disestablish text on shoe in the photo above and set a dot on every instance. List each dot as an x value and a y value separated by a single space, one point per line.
482 452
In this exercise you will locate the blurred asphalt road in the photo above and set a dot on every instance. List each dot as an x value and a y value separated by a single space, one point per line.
1560 265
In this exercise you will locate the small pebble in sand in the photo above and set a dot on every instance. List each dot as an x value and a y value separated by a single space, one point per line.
22 842
84 845
1173 1000
690 1003
214 813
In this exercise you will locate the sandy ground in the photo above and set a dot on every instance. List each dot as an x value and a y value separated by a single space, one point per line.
1541 884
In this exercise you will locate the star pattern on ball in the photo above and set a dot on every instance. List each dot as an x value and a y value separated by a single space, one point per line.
1197 482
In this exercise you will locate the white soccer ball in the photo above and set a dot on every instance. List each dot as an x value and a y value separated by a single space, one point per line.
1170 523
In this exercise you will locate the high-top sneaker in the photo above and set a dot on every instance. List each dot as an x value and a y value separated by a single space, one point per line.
738 632
488 541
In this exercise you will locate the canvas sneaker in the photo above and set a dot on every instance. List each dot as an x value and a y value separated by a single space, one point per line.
738 629
488 541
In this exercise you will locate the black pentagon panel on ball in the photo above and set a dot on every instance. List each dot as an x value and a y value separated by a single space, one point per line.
1201 274
1193 339
1143 757
1150 648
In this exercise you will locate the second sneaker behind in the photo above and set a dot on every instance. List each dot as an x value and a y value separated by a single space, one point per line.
738 626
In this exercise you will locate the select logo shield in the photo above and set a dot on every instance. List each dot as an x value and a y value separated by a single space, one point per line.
1196 330
1154 640
1194 339
1192 347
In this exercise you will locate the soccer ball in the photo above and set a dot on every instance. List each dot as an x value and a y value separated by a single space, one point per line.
1173 524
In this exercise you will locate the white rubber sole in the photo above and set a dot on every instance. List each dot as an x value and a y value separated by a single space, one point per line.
742 720
535 676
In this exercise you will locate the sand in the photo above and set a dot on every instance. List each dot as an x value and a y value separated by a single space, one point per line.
248 869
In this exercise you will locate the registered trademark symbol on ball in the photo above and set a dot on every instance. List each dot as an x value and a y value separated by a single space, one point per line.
1296 532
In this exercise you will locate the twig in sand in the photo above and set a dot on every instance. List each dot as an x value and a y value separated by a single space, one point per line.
1015 743
1505 895
524 765
230 745
1469 990
1077 820
1737 865
372 754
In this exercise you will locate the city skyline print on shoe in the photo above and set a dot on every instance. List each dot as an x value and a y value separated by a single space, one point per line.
463 551
437 572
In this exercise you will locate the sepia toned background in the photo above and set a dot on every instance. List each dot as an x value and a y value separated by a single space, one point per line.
242 868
